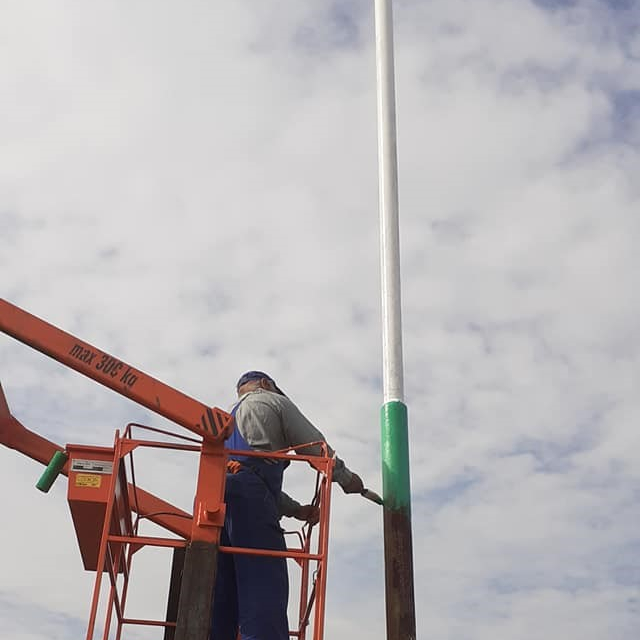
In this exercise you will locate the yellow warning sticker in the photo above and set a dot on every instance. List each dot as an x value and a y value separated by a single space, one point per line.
88 480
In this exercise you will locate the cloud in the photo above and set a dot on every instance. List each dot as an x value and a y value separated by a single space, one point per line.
26 621
194 190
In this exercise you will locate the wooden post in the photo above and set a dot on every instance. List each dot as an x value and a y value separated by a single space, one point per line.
175 584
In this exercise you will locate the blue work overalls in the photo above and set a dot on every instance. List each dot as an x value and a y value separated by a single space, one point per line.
251 592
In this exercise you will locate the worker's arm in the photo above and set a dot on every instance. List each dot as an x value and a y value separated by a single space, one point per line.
269 421
291 508
299 430
287 506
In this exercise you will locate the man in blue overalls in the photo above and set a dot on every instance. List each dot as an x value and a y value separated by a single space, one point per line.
252 592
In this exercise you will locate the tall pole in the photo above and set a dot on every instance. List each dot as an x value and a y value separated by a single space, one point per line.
398 548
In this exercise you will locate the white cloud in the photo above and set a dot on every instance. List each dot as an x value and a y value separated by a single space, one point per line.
193 188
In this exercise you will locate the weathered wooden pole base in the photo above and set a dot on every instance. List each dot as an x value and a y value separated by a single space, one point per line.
196 593
398 560
175 583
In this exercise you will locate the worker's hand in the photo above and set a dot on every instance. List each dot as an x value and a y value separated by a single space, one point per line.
355 485
308 513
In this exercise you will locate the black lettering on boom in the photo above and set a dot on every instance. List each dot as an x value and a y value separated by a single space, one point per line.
129 378
82 354
109 365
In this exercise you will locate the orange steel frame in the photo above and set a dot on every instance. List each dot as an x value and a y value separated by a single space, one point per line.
117 548
211 423
14 435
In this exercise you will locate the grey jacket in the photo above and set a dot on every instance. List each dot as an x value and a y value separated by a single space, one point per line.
269 421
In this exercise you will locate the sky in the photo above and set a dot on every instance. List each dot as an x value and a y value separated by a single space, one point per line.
192 187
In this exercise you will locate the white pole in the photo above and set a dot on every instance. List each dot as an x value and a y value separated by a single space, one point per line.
393 383
398 545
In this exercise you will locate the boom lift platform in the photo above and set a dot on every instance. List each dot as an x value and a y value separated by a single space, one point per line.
107 505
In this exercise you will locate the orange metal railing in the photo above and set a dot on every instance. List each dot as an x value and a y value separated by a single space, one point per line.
120 538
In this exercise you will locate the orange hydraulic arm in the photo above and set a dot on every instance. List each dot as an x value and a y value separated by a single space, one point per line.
209 422
15 435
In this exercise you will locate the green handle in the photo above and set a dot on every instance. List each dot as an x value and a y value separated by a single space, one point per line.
52 471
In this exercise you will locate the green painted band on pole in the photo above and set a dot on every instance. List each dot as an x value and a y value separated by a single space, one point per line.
395 456
55 466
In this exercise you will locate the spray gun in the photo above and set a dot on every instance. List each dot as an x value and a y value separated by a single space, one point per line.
372 495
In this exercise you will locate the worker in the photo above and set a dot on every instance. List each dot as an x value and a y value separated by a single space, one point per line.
252 592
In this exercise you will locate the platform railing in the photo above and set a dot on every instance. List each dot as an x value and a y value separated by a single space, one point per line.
121 538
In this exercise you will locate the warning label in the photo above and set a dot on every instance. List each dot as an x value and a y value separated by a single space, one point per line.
92 466
88 480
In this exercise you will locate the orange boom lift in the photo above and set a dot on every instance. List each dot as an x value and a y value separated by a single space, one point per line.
107 505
